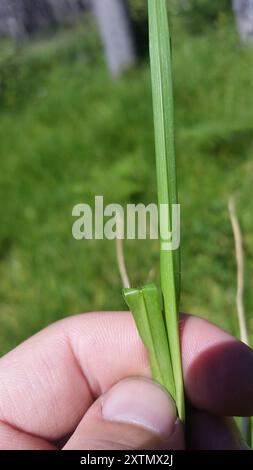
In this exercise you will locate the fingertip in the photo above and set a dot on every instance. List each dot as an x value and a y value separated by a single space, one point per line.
217 369
141 401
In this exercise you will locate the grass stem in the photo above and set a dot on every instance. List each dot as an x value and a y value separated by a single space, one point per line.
162 91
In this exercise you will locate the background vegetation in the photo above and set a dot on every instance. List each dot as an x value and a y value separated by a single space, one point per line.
68 132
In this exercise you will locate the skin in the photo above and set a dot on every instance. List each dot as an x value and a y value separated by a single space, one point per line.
53 385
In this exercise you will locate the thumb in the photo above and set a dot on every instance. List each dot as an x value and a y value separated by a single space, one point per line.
135 413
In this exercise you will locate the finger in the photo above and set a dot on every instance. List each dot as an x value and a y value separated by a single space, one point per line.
48 382
209 432
134 414
217 369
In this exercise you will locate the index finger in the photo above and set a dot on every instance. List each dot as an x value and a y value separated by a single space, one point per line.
218 369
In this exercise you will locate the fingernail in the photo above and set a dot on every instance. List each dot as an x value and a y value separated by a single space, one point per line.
141 402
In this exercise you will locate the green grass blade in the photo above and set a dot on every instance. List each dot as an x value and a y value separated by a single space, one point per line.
162 89
161 75
145 307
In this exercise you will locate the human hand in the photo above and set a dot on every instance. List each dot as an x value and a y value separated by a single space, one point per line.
83 383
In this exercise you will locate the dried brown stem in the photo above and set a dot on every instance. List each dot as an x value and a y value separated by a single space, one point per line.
120 254
240 270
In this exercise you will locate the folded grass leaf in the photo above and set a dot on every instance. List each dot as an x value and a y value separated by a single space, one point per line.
144 304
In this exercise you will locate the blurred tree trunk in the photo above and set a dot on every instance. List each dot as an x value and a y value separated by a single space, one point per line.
11 19
243 10
19 18
116 34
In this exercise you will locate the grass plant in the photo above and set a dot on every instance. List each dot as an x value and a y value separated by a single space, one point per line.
158 325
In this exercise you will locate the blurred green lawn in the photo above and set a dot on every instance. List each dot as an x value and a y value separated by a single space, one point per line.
68 133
